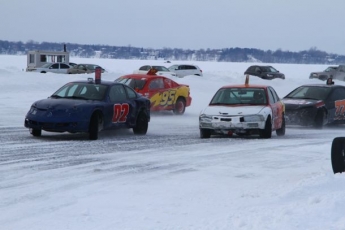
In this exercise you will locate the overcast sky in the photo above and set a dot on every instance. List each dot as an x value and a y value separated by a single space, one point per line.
293 25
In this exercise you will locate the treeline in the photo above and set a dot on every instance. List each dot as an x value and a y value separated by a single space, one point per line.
311 56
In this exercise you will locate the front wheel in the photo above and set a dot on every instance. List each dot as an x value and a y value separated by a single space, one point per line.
319 119
36 132
205 133
267 132
93 127
141 125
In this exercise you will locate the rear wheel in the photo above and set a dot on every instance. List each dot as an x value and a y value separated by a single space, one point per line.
141 124
180 106
267 132
36 132
338 154
205 133
281 131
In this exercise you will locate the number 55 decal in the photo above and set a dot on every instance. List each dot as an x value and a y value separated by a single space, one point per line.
120 113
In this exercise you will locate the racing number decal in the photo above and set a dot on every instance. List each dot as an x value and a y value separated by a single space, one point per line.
339 108
168 97
120 113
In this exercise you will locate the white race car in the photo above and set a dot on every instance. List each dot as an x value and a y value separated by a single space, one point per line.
243 110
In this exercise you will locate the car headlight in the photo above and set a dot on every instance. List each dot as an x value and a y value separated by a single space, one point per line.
253 118
269 75
205 117
33 110
314 74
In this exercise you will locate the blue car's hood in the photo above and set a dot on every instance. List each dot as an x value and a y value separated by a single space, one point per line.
61 103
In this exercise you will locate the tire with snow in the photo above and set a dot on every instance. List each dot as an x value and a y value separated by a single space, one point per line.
180 106
205 133
36 132
281 131
338 154
267 132
142 124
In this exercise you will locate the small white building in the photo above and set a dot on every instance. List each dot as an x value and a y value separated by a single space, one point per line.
38 58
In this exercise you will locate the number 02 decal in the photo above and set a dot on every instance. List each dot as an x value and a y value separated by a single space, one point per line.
120 113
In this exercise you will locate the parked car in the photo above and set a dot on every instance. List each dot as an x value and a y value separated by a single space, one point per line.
184 70
315 105
84 68
163 92
243 110
52 68
335 72
89 107
264 72
161 70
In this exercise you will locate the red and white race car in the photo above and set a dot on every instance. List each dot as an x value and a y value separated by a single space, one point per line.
243 110
163 92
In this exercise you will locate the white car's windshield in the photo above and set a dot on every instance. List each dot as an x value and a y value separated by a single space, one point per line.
234 96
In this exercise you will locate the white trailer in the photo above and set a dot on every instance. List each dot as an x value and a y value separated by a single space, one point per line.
38 58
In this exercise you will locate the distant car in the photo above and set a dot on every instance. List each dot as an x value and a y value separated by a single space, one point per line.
52 68
89 107
264 72
161 70
243 110
83 68
184 70
163 92
315 105
335 72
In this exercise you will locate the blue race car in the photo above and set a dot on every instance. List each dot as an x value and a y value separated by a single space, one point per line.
90 106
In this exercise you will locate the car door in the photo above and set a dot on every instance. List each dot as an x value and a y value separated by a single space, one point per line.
335 104
54 68
277 108
159 99
120 112
63 68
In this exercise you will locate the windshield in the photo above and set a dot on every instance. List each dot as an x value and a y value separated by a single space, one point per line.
310 92
329 69
235 96
133 83
161 68
81 91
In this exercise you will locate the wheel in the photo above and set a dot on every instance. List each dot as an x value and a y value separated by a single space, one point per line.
36 132
281 131
93 127
338 155
205 133
141 124
267 132
318 122
180 106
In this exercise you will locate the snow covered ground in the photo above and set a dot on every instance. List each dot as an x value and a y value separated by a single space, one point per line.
170 178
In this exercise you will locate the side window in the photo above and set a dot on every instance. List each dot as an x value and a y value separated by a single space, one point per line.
64 66
190 67
145 67
271 97
337 94
156 84
274 94
131 93
55 66
117 93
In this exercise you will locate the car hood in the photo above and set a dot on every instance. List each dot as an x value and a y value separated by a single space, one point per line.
60 103
300 103
232 110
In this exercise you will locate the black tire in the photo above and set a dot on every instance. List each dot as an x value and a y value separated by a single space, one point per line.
180 106
36 132
338 154
318 122
281 131
93 127
267 132
205 133
142 124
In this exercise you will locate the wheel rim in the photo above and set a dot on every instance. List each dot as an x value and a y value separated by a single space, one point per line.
180 107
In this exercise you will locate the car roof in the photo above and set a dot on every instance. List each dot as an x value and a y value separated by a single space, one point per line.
103 82
322 85
245 86
140 76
